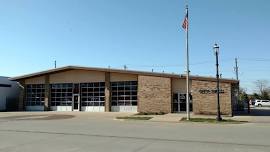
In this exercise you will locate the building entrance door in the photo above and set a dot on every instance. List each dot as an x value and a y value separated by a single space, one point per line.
76 102
179 102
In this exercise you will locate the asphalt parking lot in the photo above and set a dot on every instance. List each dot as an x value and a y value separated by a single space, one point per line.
260 111
78 131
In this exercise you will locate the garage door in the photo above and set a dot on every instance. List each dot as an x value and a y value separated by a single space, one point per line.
35 97
92 97
61 96
124 96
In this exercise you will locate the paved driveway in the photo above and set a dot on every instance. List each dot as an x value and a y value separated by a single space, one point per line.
257 115
73 132
260 111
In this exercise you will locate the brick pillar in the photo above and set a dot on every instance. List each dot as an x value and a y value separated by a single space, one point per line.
47 99
21 103
107 92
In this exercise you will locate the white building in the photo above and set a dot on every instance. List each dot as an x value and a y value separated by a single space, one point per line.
9 94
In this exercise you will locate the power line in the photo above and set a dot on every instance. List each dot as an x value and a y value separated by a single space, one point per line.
256 59
202 63
176 65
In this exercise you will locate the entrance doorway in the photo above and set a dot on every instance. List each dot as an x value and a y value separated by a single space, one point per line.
179 102
76 102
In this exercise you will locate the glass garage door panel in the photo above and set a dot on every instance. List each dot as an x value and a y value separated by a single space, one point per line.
35 97
61 96
124 96
93 97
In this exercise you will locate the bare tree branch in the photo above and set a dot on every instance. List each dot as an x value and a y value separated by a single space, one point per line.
262 86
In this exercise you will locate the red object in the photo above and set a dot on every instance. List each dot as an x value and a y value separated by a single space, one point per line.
185 22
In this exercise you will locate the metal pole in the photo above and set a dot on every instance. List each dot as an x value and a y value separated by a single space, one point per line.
216 48
236 68
187 68
237 78
178 101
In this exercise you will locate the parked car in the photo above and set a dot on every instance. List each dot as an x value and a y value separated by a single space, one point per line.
262 103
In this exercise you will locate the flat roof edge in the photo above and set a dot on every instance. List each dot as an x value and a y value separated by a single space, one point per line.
181 76
93 69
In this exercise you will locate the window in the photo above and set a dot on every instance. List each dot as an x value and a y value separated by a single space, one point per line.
265 101
35 94
61 94
93 94
124 93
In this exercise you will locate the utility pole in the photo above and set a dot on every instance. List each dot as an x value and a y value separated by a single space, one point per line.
54 63
216 50
236 68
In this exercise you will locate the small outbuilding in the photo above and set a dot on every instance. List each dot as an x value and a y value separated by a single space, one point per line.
9 94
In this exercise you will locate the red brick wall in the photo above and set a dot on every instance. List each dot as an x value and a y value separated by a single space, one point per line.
206 103
154 94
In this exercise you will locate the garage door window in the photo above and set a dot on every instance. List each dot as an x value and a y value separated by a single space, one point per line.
35 94
92 94
61 94
124 93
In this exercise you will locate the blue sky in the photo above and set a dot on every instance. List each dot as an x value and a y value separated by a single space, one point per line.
142 34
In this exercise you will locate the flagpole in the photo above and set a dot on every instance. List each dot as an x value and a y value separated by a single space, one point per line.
187 67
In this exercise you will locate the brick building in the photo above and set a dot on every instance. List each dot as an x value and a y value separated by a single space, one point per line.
74 88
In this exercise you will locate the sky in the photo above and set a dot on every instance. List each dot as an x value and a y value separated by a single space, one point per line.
141 34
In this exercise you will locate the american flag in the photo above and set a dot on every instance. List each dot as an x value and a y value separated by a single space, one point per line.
185 22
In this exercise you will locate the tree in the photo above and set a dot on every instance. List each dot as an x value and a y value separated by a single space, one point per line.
255 96
261 86
265 95
243 95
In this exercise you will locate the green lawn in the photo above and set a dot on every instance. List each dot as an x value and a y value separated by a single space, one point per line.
150 113
134 118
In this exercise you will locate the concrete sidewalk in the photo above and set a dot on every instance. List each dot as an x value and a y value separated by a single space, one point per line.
167 118
176 117
171 117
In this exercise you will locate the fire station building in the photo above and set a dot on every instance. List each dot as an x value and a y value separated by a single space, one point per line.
74 88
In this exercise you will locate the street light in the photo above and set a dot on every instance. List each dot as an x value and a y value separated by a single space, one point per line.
216 50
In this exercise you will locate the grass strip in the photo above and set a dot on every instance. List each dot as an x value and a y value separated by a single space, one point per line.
134 118
150 113
212 120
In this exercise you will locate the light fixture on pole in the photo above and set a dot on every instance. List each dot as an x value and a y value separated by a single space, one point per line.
216 51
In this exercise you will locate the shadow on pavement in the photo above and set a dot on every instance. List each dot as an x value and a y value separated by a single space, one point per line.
254 111
38 117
